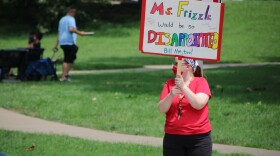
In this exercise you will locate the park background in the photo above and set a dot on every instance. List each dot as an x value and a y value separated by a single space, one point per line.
244 110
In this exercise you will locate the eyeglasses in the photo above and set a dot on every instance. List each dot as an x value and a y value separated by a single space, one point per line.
176 63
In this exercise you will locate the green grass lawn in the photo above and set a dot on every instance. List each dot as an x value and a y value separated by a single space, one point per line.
16 143
251 34
244 110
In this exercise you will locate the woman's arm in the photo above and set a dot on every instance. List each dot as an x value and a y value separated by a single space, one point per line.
164 104
198 100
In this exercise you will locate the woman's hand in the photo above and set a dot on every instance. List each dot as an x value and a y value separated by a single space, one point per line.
175 91
164 105
179 81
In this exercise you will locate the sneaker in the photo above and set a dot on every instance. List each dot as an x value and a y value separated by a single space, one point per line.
68 78
64 80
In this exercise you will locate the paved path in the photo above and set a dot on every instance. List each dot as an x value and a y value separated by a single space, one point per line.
163 67
160 67
13 121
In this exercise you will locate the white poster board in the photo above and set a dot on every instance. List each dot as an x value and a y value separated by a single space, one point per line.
190 29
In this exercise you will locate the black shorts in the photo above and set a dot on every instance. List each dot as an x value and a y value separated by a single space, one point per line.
70 53
187 145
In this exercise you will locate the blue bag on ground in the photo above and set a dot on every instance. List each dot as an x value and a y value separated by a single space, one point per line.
40 69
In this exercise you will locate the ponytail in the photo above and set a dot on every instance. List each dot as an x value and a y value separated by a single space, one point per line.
197 72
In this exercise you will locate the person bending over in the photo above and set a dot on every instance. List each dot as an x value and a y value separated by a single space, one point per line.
184 101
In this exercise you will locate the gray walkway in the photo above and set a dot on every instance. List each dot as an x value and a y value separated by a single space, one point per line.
164 67
13 121
159 67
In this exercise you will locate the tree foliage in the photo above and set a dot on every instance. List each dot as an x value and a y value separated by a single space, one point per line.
43 14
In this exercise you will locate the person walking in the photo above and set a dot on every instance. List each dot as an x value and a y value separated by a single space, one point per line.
184 101
67 39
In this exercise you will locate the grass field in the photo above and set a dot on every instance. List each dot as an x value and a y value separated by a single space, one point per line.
244 109
250 31
15 143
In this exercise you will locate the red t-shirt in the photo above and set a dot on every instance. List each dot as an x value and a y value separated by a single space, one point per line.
192 121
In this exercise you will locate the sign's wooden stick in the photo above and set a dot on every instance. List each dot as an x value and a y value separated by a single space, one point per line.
179 66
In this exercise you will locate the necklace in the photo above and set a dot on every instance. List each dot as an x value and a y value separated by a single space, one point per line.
180 105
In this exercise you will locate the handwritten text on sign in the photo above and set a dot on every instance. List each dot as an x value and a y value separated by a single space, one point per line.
182 28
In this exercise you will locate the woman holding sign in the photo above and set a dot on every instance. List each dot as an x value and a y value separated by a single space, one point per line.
184 100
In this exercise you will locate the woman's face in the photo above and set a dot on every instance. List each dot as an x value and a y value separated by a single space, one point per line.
186 68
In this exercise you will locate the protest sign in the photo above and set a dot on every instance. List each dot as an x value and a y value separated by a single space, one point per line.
191 29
